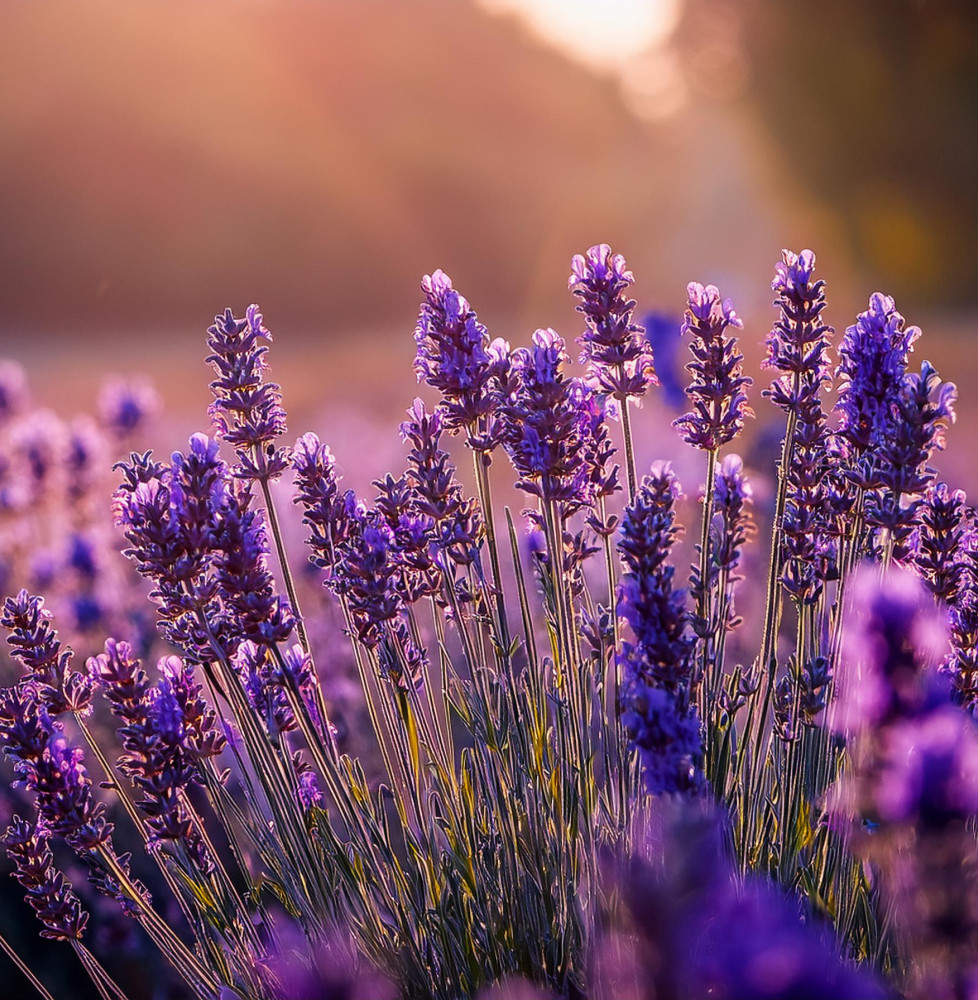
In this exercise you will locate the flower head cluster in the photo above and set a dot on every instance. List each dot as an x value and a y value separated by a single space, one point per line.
944 551
718 383
126 406
436 494
326 511
456 357
797 345
46 663
162 751
247 411
920 412
244 581
797 348
613 346
49 893
550 428
873 358
657 680
52 768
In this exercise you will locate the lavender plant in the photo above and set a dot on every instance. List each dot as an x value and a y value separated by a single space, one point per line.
540 711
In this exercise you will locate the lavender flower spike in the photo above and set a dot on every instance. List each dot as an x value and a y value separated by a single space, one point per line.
797 344
48 891
549 432
717 387
615 349
456 358
656 668
247 411
873 358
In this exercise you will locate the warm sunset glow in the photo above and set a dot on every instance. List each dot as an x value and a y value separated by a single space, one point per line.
604 35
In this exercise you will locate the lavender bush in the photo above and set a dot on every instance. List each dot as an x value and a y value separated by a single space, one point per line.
571 781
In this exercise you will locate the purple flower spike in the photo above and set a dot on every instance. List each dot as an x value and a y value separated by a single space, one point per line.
717 387
941 542
614 347
436 492
455 357
658 714
247 411
920 413
245 583
325 509
46 664
549 426
797 344
48 891
732 527
873 358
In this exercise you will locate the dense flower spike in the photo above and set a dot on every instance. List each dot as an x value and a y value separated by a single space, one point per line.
436 492
807 526
718 383
549 427
613 346
326 511
48 891
873 358
45 662
456 357
657 667
160 752
796 346
244 581
125 407
941 542
247 411
920 413
366 575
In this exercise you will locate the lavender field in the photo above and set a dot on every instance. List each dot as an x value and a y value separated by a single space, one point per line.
583 772
629 658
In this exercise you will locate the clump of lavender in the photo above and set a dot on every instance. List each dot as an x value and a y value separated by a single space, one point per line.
656 667
467 847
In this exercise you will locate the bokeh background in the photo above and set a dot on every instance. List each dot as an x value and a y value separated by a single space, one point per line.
164 159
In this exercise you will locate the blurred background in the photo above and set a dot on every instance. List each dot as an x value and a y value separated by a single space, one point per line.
161 160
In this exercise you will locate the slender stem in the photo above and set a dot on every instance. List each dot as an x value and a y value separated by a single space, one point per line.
481 460
19 962
626 428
